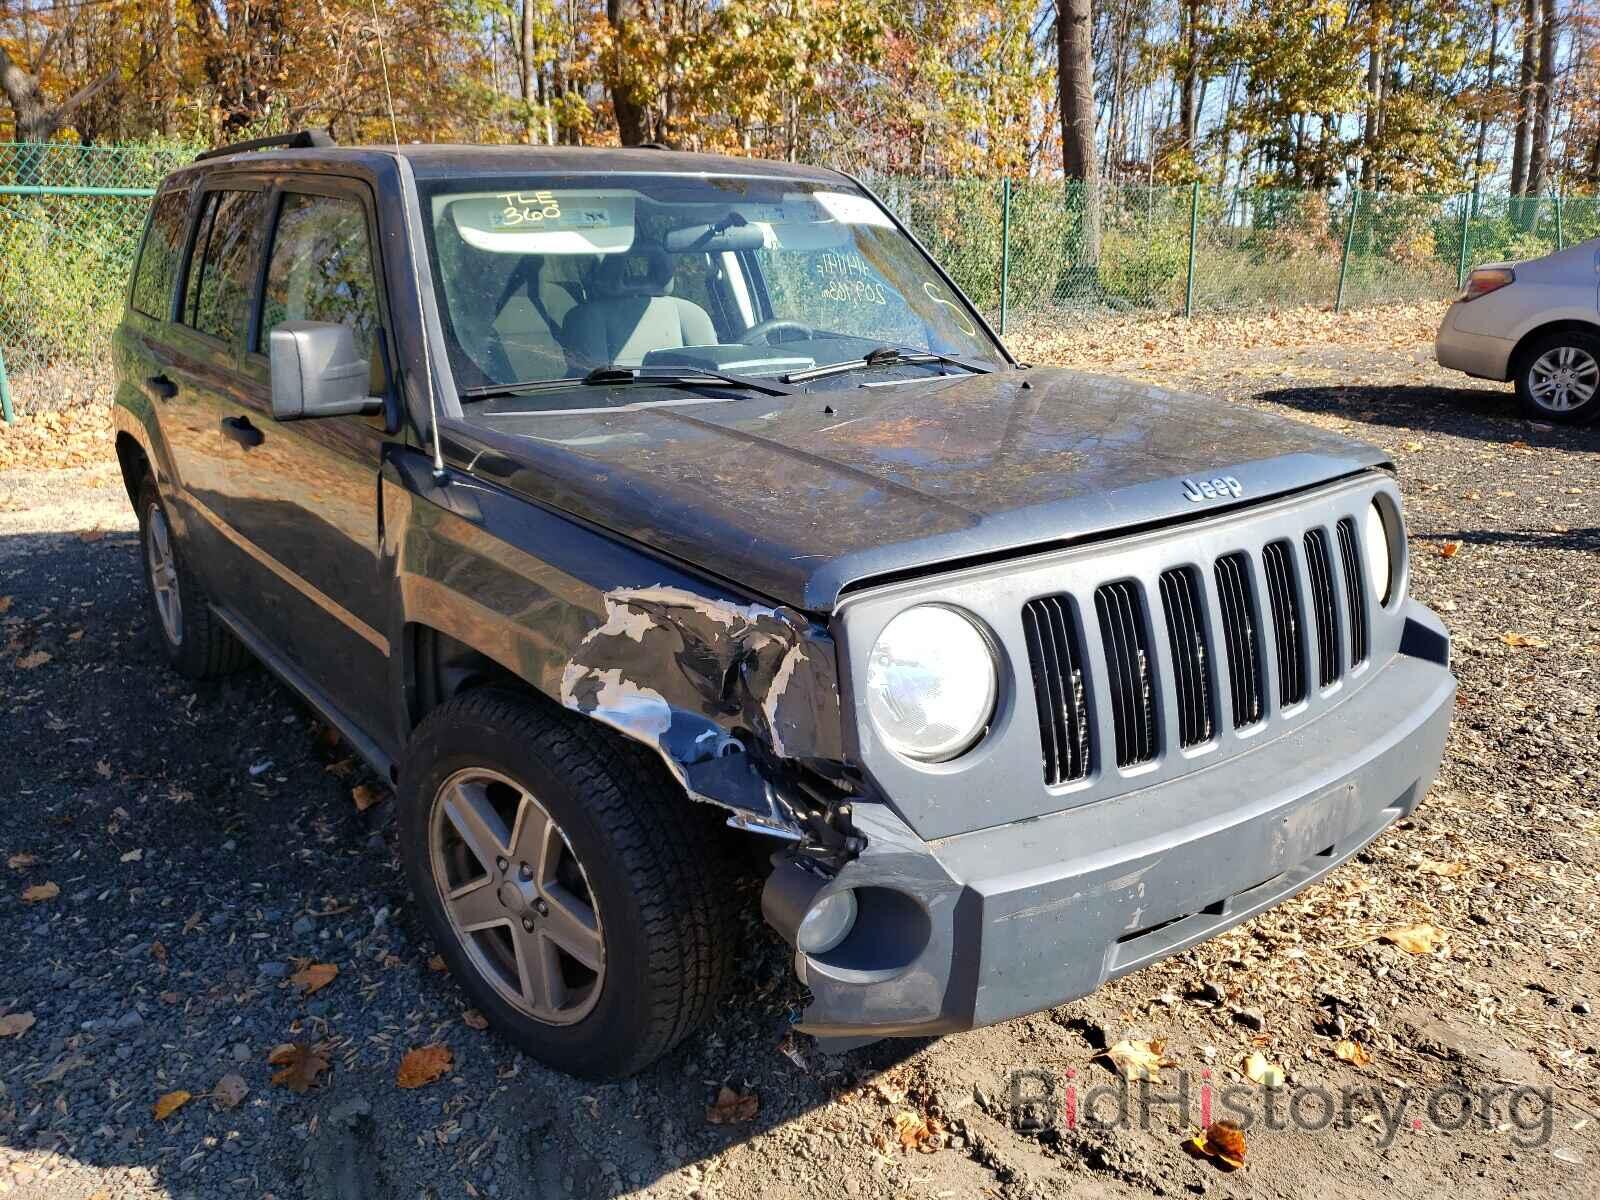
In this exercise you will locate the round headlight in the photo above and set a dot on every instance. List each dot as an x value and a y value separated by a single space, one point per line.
931 683
1375 541
827 923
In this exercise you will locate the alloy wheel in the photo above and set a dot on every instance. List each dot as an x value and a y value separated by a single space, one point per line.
516 896
164 574
1563 378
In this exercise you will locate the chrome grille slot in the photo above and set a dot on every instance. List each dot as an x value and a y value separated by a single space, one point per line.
1239 634
1058 687
1128 670
1191 668
1354 592
1320 569
1284 596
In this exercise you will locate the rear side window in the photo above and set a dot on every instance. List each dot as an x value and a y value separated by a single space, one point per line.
321 268
222 266
158 260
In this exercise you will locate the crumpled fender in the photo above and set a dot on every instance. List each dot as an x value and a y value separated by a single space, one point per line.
719 689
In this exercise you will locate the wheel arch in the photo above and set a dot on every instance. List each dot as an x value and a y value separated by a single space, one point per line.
1516 360
135 464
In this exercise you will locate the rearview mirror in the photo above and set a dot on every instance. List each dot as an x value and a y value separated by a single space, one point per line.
318 372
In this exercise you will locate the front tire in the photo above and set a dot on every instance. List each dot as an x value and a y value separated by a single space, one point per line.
189 634
1558 377
580 906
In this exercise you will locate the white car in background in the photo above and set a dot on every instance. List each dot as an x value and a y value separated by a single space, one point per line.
1536 323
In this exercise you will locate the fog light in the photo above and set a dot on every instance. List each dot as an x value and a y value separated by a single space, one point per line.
827 923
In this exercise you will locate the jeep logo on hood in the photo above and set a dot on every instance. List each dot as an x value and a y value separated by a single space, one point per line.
1212 489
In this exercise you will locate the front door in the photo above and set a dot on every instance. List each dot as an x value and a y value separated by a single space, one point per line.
305 498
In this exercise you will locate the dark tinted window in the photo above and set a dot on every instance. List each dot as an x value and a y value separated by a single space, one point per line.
158 260
321 268
221 268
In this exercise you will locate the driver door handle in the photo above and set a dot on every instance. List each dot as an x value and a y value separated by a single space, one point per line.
163 387
241 431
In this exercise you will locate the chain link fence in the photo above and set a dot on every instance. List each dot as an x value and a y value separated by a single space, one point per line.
1030 254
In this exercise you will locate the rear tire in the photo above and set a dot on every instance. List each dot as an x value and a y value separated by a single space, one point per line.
189 634
505 805
1558 377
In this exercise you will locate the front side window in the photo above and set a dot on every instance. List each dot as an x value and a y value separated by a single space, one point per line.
221 266
547 277
159 258
320 268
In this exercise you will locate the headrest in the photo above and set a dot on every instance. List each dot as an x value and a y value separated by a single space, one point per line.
643 270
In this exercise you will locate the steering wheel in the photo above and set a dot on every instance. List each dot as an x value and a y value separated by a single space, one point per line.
765 329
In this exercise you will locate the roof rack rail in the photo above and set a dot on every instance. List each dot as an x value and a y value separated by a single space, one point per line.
302 139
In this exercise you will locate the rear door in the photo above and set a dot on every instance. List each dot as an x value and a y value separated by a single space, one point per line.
200 379
304 496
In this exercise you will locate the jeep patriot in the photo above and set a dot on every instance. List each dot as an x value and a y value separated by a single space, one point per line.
603 499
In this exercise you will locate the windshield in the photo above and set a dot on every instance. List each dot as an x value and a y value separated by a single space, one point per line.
548 277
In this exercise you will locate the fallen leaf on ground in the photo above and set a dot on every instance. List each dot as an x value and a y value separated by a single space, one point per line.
1353 1053
1415 939
1522 641
16 1024
731 1108
365 796
5 605
133 856
171 1103
103 769
314 977
21 862
437 963
423 1065
1449 549
1448 869
158 951
917 1132
473 1019
40 892
1413 446
1257 1069
298 1066
1223 1141
29 661
91 535
230 1091
1138 1060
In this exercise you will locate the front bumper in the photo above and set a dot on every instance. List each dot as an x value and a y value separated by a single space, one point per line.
973 929
1481 355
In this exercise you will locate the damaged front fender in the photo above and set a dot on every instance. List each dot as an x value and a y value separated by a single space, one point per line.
723 691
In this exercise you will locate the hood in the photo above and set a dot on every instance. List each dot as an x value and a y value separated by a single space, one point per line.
796 498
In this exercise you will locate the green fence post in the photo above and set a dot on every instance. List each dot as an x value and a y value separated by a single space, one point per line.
1005 249
1466 237
1344 256
1194 234
5 392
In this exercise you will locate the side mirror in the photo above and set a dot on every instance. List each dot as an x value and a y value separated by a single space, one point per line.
318 372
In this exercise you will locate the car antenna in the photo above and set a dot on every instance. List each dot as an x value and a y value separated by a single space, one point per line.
439 473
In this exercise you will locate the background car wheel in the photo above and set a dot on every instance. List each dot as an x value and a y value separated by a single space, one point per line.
1558 377
186 629
579 901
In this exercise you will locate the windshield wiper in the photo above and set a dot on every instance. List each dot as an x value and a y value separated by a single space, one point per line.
612 376
885 356
686 377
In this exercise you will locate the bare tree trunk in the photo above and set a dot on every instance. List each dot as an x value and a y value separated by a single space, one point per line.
35 118
1524 128
633 120
1480 150
1372 126
1188 15
525 74
1075 72
1539 154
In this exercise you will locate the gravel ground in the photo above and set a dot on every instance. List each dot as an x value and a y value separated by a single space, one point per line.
205 844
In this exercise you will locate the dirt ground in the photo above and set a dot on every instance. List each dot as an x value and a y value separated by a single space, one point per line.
204 842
